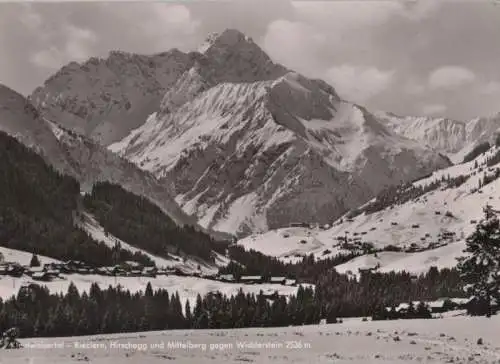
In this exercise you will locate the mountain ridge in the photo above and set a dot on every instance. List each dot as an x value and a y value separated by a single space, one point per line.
105 98
267 117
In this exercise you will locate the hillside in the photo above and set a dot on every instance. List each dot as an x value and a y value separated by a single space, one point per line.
143 225
89 224
412 227
38 207
248 145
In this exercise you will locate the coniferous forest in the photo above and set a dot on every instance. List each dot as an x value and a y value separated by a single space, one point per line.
37 207
139 222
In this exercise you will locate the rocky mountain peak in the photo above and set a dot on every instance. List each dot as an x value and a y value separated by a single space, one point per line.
225 39
231 56
227 57
106 98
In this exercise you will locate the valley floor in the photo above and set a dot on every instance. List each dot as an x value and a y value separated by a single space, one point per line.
448 340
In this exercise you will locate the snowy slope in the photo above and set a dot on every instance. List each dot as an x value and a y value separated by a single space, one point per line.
21 120
440 219
22 257
94 163
448 340
96 231
420 262
249 145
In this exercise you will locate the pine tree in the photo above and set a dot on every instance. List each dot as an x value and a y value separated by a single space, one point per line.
149 290
422 311
480 270
35 262
188 315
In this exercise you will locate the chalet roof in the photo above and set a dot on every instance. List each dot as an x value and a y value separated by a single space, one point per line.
250 277
278 279
39 274
132 263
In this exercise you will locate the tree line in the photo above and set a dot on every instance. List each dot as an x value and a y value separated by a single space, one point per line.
38 313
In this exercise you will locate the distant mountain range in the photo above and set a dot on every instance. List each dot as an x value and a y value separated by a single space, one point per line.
226 137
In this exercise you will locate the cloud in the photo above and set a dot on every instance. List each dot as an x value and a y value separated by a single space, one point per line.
76 47
295 44
359 84
450 77
414 87
418 10
491 88
343 15
433 109
148 27
30 18
348 15
168 24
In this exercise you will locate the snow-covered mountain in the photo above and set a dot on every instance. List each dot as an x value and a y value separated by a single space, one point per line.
248 145
105 98
451 137
414 227
80 157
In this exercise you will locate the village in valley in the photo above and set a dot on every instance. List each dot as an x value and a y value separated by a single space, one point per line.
53 271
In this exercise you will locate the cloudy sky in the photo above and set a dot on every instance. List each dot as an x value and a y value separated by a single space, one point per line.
417 57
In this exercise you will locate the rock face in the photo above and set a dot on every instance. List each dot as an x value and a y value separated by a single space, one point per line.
106 98
247 145
79 156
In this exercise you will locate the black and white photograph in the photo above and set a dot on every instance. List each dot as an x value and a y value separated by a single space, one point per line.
250 181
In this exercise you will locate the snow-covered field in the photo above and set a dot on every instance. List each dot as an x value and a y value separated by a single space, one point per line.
448 340
420 262
188 287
